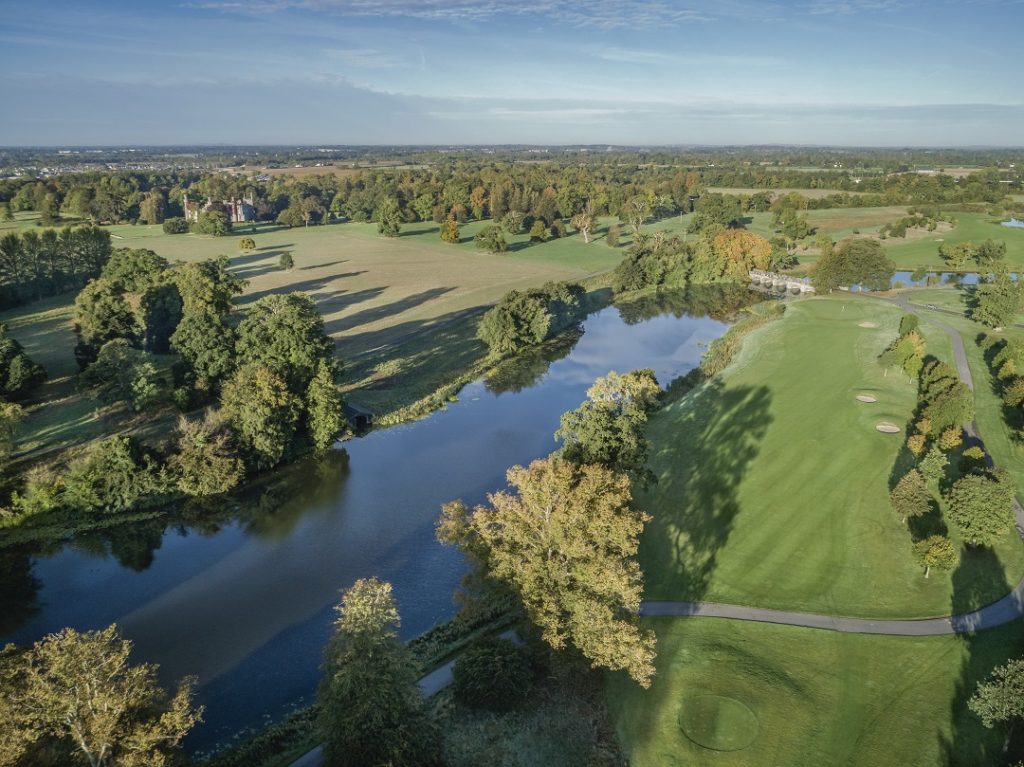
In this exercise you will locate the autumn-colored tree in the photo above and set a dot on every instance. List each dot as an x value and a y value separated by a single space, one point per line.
741 251
564 540
936 551
450 230
910 497
583 222
79 691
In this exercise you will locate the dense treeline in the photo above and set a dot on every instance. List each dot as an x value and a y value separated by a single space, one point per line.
34 265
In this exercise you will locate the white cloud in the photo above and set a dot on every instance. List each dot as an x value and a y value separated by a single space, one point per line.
364 58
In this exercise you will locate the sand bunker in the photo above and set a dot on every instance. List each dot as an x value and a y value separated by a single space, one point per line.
867 324
888 428
866 398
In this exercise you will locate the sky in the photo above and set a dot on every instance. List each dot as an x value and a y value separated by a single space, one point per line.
636 72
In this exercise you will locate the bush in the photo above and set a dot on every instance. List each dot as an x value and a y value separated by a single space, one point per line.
491 239
247 243
175 226
286 262
494 674
907 323
112 477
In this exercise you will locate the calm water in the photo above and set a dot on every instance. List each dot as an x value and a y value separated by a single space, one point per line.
246 604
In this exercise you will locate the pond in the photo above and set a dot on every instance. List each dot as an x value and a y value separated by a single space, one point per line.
243 596
1014 223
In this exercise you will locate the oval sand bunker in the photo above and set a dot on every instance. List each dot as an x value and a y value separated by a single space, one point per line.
866 398
867 324
888 428
718 723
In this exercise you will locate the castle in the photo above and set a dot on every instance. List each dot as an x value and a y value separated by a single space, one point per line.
238 211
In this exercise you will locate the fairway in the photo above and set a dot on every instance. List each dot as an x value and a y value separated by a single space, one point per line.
773 480
974 227
804 698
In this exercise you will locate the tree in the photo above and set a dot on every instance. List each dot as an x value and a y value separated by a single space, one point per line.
565 541
936 551
389 218
325 408
207 345
739 251
247 244
491 239
175 226
124 374
910 497
262 413
19 374
539 231
1000 698
609 428
450 231
8 213
10 418
933 465
134 269
287 262
715 211
101 314
213 222
79 689
207 286
857 261
285 333
636 211
111 477
997 303
612 238
512 222
956 255
583 222
204 462
153 207
981 507
371 711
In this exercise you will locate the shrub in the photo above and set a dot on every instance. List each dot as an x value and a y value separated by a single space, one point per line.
539 232
175 226
951 438
112 476
246 244
286 262
494 674
491 239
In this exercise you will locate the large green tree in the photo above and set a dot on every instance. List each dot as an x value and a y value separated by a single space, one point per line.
1000 698
389 218
122 373
80 692
325 408
565 540
262 412
998 302
609 428
858 261
371 711
980 505
102 314
911 497
285 333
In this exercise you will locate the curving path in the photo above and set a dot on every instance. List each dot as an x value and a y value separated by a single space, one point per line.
1005 610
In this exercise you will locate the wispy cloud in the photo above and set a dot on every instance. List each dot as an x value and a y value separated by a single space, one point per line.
849 7
364 58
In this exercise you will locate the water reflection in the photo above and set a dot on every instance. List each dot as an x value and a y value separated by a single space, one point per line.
241 592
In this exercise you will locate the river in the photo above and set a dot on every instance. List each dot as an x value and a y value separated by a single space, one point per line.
246 603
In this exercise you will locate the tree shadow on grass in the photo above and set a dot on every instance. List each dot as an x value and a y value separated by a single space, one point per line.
710 440
305 286
970 743
715 435
377 313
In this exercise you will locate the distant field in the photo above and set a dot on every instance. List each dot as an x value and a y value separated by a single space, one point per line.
29 220
339 169
970 226
812 194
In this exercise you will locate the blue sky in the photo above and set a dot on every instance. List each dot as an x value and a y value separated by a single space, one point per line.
849 72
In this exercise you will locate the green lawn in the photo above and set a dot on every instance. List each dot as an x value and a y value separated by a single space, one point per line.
773 481
804 698
975 227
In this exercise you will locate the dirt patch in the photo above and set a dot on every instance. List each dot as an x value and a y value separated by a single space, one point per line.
866 398
887 427
867 324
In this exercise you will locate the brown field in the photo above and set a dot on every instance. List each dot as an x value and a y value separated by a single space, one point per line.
811 194
337 169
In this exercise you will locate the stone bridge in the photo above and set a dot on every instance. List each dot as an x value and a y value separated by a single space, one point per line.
780 282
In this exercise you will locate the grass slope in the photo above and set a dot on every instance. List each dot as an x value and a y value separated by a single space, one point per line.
817 697
773 481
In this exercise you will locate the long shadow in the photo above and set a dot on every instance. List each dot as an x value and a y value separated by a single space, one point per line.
323 266
715 435
19 597
969 742
387 310
306 286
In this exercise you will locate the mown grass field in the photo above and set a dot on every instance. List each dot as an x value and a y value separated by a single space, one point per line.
773 481
814 697
975 227
402 310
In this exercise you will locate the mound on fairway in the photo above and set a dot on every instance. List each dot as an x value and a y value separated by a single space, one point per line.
773 487
718 722
866 398
887 427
